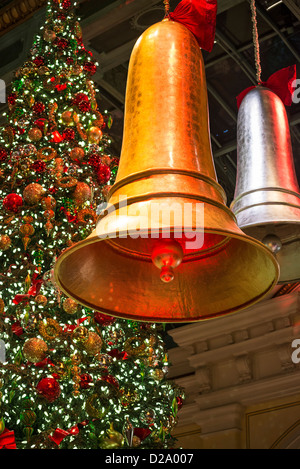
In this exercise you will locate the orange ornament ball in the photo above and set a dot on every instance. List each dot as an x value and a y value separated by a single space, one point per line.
77 154
93 344
5 242
33 193
67 118
94 135
70 306
35 134
82 193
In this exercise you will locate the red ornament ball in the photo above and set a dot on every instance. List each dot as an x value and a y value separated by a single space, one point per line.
38 108
38 166
80 97
66 4
38 61
103 319
11 99
3 154
62 43
94 160
68 135
12 202
84 106
49 389
103 173
90 68
85 381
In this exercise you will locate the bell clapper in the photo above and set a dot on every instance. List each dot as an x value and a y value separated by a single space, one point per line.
167 254
273 243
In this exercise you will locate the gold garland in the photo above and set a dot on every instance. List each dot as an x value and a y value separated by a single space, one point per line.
46 153
66 182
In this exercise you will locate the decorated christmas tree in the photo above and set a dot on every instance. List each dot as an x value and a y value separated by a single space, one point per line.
72 378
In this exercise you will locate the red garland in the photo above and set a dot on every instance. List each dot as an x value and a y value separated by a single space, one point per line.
199 16
281 83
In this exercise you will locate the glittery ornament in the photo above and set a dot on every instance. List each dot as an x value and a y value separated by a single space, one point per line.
3 154
90 68
5 242
33 193
93 344
12 202
85 381
41 300
2 306
68 135
49 35
77 154
80 334
34 350
70 306
82 193
35 134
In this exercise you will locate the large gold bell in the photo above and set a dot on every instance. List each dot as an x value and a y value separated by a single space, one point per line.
167 249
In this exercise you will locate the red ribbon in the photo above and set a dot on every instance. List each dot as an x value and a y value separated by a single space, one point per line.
17 329
281 83
7 440
199 16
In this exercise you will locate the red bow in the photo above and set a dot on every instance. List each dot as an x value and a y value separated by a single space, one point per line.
34 290
59 435
281 83
7 440
199 16
71 327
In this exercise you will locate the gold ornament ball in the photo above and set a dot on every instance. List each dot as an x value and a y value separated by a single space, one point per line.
49 35
70 306
93 344
33 193
80 334
2 305
34 350
94 134
35 134
82 193
77 153
136 441
5 242
41 300
67 118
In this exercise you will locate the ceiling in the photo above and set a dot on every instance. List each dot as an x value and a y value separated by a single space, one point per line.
110 29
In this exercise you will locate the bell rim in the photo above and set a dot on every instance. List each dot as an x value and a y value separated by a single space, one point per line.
242 237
